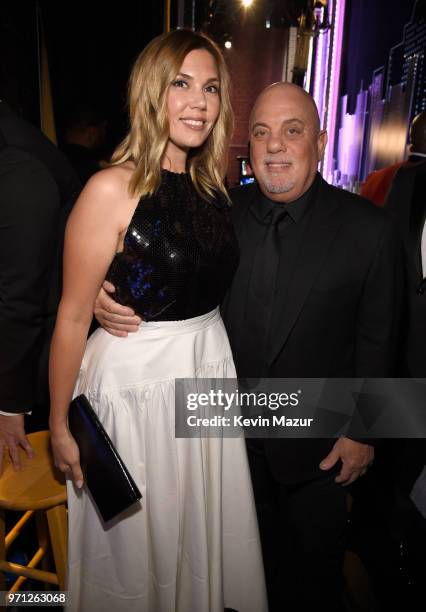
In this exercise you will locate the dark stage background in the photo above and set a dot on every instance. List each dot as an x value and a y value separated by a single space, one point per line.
91 46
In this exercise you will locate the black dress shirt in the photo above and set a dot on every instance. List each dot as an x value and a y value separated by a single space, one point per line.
251 360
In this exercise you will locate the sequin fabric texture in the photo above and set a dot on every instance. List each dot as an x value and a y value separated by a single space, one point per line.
180 253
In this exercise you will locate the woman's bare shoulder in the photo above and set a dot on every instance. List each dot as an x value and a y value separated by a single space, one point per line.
106 197
111 182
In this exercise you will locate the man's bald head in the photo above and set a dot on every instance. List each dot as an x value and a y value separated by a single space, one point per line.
285 141
418 133
289 90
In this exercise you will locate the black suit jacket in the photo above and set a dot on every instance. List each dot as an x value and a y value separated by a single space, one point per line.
337 308
407 202
37 191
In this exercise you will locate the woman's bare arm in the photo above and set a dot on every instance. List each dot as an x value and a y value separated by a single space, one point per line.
91 240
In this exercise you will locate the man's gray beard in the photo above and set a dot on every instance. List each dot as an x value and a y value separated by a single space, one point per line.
279 187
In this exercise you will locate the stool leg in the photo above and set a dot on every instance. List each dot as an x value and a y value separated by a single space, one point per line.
2 548
58 529
43 540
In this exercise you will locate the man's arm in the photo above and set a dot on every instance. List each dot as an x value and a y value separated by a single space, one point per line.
29 204
29 208
377 336
380 308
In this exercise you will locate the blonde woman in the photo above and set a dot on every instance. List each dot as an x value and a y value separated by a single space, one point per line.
156 224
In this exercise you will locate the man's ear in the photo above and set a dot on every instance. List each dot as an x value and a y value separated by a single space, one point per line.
321 143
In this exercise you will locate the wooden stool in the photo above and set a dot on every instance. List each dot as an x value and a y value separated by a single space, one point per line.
37 489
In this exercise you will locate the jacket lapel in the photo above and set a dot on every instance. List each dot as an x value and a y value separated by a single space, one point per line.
314 244
234 304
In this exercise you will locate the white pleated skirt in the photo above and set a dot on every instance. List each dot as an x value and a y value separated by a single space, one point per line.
192 543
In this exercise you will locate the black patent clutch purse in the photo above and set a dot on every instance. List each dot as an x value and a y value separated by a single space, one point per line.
107 478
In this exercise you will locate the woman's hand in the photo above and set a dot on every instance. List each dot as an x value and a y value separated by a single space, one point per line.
66 454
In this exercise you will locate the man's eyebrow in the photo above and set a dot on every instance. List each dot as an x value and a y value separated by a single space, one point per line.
188 76
294 120
286 122
259 124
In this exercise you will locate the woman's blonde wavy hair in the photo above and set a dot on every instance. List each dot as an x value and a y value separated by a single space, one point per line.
145 144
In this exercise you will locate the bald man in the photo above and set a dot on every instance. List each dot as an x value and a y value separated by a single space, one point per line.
315 295
378 185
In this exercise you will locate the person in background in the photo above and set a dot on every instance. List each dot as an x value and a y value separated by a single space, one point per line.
407 203
84 137
377 186
37 191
